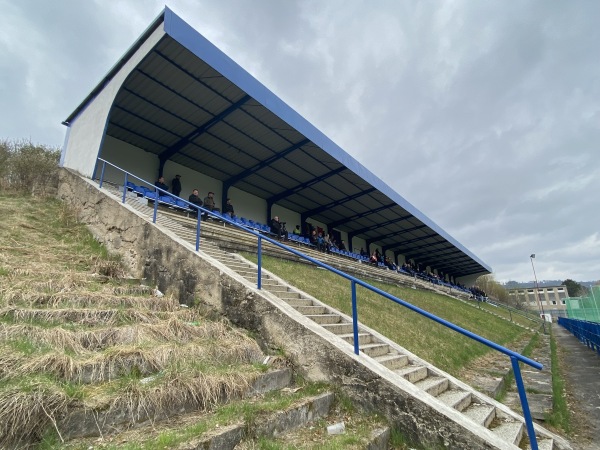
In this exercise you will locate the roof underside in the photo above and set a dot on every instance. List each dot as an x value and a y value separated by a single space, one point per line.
175 105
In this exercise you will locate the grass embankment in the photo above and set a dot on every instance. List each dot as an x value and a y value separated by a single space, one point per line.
75 336
560 417
433 342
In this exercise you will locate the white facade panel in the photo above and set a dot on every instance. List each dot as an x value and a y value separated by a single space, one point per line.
87 129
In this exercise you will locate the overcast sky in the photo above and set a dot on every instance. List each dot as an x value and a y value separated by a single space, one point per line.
484 115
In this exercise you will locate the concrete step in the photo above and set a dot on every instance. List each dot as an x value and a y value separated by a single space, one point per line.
412 373
456 398
276 288
323 319
543 444
433 385
376 349
363 338
290 295
510 431
311 310
481 413
295 302
392 361
339 328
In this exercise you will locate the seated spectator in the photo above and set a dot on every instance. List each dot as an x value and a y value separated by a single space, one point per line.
363 252
161 184
297 231
313 238
195 200
342 246
374 259
389 264
278 228
209 203
321 242
229 208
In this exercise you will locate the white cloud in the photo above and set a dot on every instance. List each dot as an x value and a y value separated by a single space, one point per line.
484 116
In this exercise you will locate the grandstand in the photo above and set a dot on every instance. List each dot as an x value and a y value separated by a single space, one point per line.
175 104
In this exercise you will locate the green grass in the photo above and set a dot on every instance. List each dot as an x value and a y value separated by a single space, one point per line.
433 342
560 417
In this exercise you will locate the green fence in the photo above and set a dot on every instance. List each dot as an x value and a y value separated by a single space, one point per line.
585 308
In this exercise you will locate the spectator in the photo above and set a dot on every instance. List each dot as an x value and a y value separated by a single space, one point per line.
342 246
373 259
313 237
363 252
297 231
176 185
321 242
209 203
229 208
278 228
195 199
161 184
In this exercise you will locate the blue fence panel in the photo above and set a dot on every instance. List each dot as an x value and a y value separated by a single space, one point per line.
587 332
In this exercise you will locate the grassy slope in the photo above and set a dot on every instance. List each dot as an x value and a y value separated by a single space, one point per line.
439 345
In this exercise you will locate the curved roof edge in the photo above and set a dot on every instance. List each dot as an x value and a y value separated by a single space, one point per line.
196 43
114 69
187 36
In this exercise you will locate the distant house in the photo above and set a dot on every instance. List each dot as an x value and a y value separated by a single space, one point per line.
552 299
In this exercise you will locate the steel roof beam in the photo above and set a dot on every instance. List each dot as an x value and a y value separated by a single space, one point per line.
169 152
337 223
396 233
335 203
380 225
288 192
449 251
270 160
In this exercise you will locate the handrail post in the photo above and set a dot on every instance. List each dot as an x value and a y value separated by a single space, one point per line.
125 187
156 191
524 403
354 316
198 230
102 174
259 271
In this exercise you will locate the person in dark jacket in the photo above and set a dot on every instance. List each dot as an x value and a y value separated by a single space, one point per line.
161 184
195 200
176 185
229 208
278 228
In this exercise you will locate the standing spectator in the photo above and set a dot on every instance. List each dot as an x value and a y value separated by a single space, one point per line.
176 185
229 208
161 184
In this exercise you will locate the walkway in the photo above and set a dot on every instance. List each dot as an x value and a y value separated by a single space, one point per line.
583 383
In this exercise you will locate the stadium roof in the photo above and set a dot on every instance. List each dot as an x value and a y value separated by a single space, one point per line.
189 103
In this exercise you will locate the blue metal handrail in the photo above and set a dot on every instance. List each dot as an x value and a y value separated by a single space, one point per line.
515 357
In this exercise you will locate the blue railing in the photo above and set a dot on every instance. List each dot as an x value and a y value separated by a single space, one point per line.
515 357
587 332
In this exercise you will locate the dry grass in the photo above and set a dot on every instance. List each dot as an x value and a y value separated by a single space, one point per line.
80 341
26 413
90 367
85 299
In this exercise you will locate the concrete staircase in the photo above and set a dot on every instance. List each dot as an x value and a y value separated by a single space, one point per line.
493 422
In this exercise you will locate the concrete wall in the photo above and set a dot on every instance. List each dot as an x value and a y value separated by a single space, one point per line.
194 278
87 129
